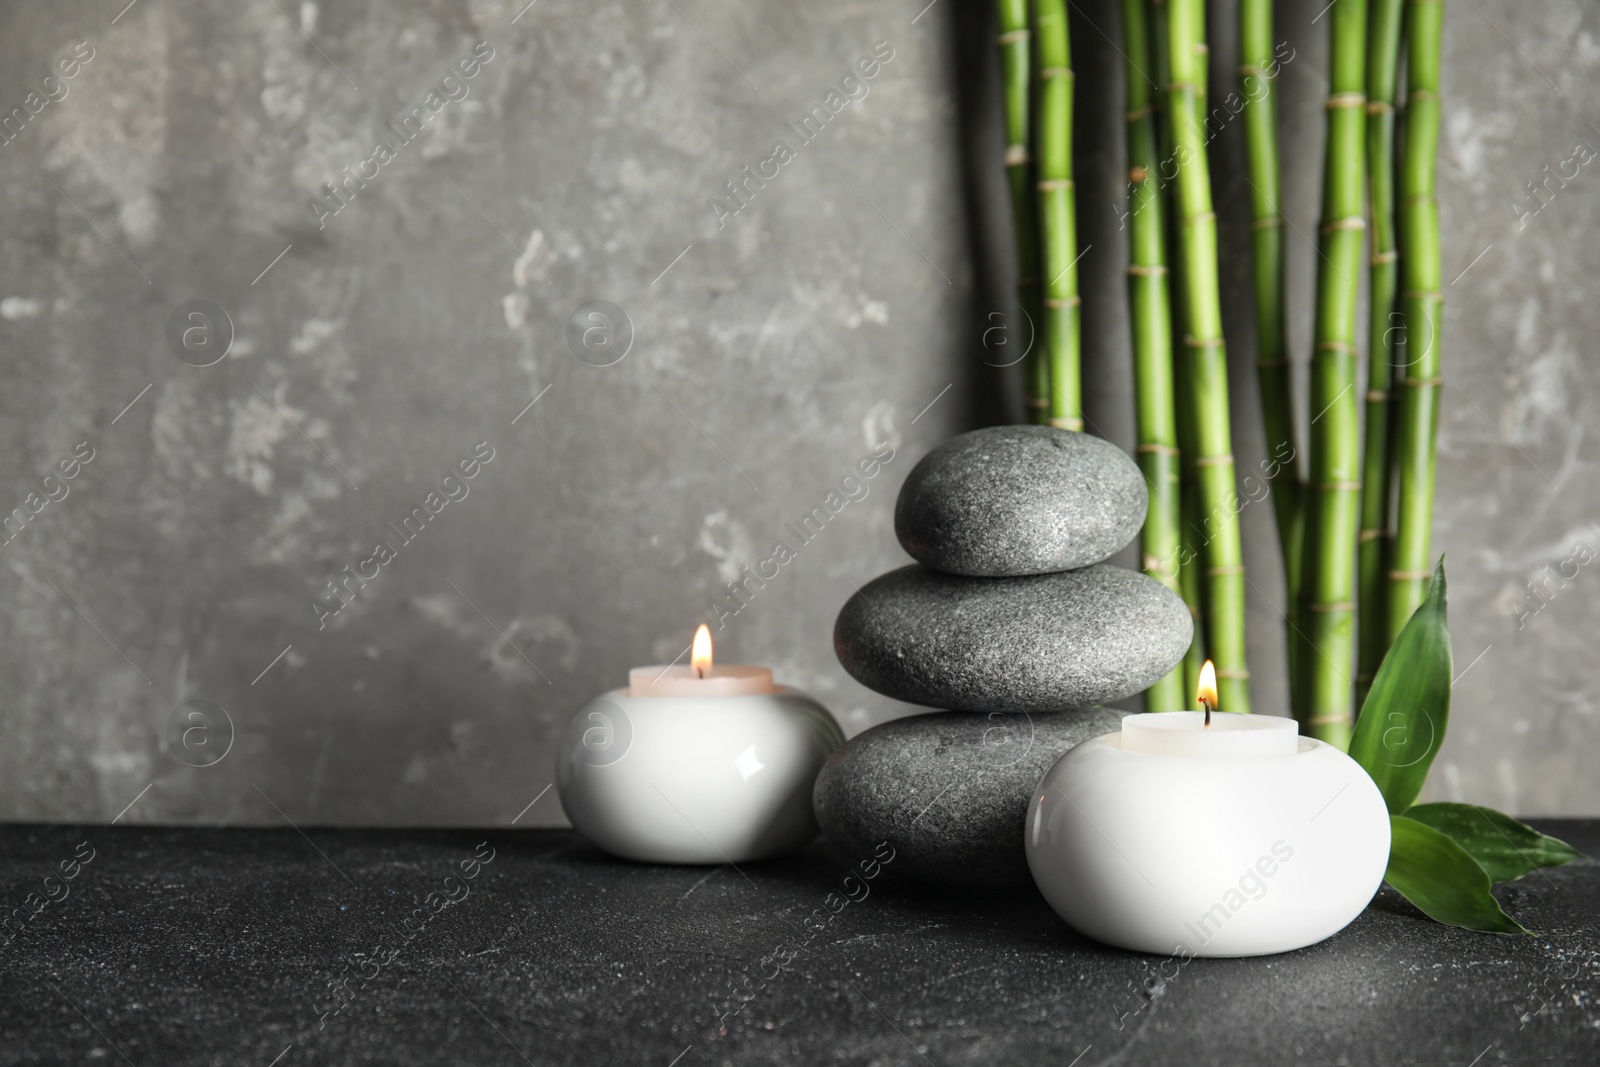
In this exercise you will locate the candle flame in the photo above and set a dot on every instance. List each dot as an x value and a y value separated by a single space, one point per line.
1206 692
700 658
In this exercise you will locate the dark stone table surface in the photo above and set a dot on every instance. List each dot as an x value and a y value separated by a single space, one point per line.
220 946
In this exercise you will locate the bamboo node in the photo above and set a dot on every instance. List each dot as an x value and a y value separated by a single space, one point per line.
1150 271
1139 113
1368 535
1422 198
1423 383
1353 487
1236 675
1068 302
1336 346
1195 342
1380 258
1160 450
1378 107
1204 216
1057 72
1038 402
1050 185
1421 294
1421 94
1343 100
1270 222
1067 424
1319 720
1333 605
1377 396
1349 222
1178 87
1224 460
1016 154
1219 572
1410 576
1138 175
1012 36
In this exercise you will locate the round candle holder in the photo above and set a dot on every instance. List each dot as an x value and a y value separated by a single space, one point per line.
1237 839
696 779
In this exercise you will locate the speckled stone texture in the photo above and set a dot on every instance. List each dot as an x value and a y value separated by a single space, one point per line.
949 790
192 947
1042 643
799 337
1013 500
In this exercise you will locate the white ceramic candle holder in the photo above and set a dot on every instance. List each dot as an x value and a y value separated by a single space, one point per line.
1241 839
724 777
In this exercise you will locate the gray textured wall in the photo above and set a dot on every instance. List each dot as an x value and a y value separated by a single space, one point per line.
772 349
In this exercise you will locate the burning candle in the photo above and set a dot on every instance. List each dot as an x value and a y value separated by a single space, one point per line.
701 678
696 764
1207 835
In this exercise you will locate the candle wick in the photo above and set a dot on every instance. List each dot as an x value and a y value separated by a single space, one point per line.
1207 705
700 672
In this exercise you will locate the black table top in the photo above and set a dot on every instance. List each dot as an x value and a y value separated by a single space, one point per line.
218 946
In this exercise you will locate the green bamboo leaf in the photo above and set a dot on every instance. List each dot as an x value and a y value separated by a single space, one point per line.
1403 720
1442 879
1503 847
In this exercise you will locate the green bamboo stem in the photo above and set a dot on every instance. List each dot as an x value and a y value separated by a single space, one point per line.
1193 532
1256 74
1191 586
1383 61
1205 357
1058 214
1016 66
1422 306
1191 562
1328 576
1150 318
1257 70
1160 38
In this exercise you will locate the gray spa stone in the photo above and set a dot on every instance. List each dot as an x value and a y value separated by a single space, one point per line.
1046 642
949 791
1011 500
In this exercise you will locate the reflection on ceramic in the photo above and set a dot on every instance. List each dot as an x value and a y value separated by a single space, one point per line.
1238 839
682 779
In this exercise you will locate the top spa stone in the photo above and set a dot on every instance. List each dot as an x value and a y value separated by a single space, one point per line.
1014 500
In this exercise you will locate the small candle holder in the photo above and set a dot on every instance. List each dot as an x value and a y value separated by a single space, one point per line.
696 765
1237 838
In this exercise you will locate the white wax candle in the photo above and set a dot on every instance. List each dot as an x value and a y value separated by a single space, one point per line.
1236 839
696 764
1184 733
674 681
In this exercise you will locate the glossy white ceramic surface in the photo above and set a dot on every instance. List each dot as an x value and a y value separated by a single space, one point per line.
691 780
1208 854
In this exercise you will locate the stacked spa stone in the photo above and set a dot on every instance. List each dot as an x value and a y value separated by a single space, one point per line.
1010 619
